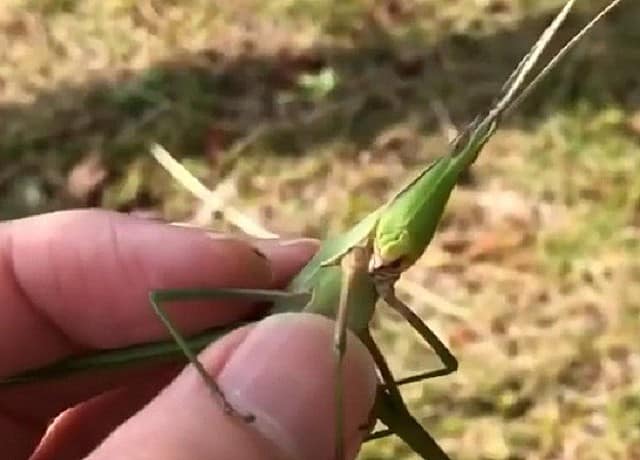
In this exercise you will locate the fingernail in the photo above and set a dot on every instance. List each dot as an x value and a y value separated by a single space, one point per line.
305 242
222 236
285 249
283 374
266 247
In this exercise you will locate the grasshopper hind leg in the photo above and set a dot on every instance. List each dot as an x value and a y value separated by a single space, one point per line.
449 361
156 298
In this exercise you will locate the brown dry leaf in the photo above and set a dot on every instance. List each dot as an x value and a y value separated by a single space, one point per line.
391 12
86 178
455 243
500 206
462 335
409 64
495 242
216 141
634 122
498 6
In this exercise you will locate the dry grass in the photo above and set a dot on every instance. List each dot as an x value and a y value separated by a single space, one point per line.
312 115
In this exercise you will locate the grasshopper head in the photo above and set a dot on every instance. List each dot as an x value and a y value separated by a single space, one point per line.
391 253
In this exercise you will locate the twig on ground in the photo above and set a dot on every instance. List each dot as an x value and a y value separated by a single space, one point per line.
212 200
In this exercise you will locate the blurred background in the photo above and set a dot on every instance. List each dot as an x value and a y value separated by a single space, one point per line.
306 114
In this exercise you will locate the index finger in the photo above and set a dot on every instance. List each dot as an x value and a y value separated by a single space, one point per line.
79 280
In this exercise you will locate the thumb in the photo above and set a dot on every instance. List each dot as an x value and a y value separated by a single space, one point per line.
282 372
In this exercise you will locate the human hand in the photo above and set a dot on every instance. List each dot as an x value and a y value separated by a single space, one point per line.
79 280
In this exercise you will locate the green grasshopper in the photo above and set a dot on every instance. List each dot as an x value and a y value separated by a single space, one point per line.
352 271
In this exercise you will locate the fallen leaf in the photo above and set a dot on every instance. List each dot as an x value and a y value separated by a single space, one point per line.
86 179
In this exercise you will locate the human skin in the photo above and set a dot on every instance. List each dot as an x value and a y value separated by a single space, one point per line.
79 280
